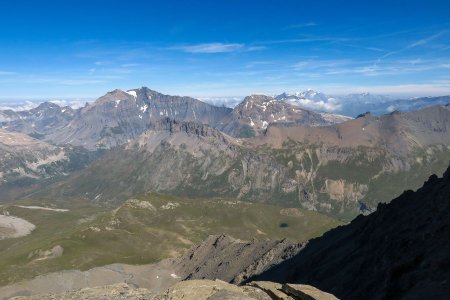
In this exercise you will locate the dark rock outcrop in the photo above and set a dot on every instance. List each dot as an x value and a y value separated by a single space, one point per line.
231 260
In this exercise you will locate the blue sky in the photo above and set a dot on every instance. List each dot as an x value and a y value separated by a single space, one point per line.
220 49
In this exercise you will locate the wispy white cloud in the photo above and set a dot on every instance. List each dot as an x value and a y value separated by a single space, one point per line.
21 105
212 48
222 101
313 64
428 39
253 64
301 25
5 73
18 105
399 90
72 103
130 65
305 40
330 105
368 68
415 44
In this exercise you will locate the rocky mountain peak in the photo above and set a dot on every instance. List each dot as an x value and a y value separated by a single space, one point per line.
256 102
194 128
254 115
112 96
46 105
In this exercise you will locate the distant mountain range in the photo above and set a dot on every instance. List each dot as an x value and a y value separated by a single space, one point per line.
120 116
263 150
356 104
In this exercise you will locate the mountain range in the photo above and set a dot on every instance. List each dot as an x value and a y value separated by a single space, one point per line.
356 104
119 116
151 175
139 141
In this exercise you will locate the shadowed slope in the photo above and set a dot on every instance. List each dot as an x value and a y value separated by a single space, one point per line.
401 251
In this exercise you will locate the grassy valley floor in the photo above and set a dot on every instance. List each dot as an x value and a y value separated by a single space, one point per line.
144 229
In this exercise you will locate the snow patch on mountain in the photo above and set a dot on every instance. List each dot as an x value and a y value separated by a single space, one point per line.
132 93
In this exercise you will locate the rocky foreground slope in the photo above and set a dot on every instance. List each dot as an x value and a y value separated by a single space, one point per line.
218 257
195 290
401 251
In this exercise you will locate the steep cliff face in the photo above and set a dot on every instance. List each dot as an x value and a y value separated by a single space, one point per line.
401 251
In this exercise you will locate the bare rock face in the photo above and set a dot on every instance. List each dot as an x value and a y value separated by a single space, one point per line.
231 260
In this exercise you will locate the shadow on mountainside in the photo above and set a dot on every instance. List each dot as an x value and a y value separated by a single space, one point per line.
401 251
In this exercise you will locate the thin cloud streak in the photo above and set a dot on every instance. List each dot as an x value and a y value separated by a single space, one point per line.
212 48
302 25
304 40
415 44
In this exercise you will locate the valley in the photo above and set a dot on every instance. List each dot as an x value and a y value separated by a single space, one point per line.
144 229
